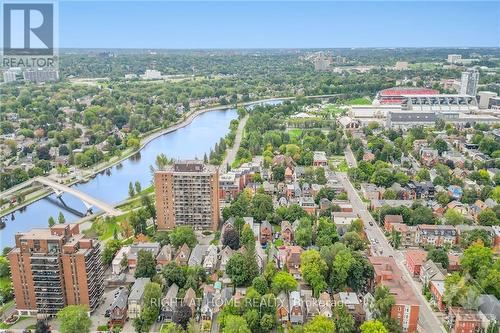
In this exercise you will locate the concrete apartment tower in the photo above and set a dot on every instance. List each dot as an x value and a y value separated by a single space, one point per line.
55 267
187 194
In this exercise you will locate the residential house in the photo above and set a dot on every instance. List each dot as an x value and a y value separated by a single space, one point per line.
136 297
325 305
414 260
224 256
457 206
431 271
407 233
182 256
296 308
353 305
169 303
455 192
428 156
368 156
207 304
308 204
286 232
197 255
343 221
436 289
118 309
319 158
211 259
190 300
117 265
283 308
165 255
266 232
461 320
389 220
133 253
289 256
311 305
371 191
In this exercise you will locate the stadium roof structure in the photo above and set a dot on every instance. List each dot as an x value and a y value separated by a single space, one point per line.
395 95
439 102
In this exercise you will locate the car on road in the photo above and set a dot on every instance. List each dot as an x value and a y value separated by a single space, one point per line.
370 223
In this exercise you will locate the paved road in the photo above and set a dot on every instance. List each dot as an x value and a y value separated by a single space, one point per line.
231 152
349 156
428 320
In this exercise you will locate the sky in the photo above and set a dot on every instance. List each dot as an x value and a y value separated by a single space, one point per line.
282 24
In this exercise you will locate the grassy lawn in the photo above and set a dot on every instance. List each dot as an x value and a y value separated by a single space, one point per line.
295 133
358 101
424 66
332 109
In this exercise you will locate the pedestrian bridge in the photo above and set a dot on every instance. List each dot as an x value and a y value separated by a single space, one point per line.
59 189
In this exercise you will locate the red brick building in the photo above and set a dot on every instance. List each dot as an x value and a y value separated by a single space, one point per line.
55 267
406 308
414 260
461 320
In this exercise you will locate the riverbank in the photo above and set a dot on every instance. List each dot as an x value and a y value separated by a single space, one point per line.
88 174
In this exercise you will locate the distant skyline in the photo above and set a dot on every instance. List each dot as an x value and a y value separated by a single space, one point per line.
282 24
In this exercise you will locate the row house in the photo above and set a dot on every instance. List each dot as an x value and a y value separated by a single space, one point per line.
437 235
414 260
371 191
436 288
319 158
429 156
289 257
286 232
431 271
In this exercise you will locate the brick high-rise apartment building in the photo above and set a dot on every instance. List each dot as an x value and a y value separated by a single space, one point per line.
187 194
55 267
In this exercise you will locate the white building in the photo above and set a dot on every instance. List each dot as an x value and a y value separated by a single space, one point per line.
454 58
151 74
41 75
484 98
9 76
469 82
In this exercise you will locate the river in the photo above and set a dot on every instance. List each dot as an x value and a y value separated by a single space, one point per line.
111 185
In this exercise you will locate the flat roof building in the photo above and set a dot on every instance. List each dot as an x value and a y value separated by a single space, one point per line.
187 193
55 267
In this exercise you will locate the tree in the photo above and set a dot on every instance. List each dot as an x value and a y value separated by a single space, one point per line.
183 234
314 269
442 198
131 191
395 238
252 318
146 266
373 326
267 322
110 250
262 206
182 315
235 324
440 145
42 327
52 222
422 175
383 302
260 284
137 187
475 235
356 226
422 215
319 324
171 328
231 238
476 259
174 273
454 217
344 321
488 217
283 281
242 268
279 173
439 256
247 236
340 269
74 319
61 219
353 241
152 304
